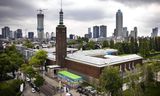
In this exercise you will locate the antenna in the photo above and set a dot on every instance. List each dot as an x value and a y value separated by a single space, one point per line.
61 4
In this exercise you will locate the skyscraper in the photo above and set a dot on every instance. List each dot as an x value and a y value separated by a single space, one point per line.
154 32
95 31
125 32
61 43
5 32
89 33
40 25
103 31
71 36
30 35
47 35
19 33
134 33
119 23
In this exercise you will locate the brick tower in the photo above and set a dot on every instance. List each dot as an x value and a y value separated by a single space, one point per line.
61 44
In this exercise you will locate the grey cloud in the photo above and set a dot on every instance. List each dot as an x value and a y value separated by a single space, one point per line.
16 10
135 3
85 14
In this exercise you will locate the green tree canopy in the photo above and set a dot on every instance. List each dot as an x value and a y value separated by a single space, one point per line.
39 81
111 81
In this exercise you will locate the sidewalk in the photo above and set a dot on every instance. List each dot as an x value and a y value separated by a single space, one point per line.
50 81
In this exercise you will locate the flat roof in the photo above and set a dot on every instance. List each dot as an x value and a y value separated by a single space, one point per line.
69 75
86 57
53 49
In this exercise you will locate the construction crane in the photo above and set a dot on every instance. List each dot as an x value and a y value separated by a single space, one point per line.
41 10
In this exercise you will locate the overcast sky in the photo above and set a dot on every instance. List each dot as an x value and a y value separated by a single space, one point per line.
81 14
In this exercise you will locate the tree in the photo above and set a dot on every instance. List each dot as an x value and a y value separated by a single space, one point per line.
105 44
10 88
91 45
111 44
144 47
111 81
39 81
28 70
148 74
28 44
119 46
15 62
38 60
134 85
4 65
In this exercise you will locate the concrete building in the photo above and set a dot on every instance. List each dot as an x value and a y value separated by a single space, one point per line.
71 36
86 35
89 33
95 31
31 35
125 32
154 32
134 33
6 32
103 31
40 25
47 35
19 33
119 24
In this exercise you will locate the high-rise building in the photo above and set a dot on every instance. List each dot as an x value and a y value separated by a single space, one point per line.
6 32
125 32
31 35
40 25
154 32
95 31
103 31
71 36
47 35
86 35
89 33
15 34
119 23
52 34
134 33
61 43
19 33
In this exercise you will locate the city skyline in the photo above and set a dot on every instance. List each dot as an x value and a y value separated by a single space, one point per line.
140 13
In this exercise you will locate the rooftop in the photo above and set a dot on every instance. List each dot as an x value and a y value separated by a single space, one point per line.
87 57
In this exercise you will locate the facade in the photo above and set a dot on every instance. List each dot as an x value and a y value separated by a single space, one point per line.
95 31
19 33
61 42
6 32
125 32
71 36
86 64
134 33
86 35
154 32
89 33
31 35
103 31
40 25
119 23
47 35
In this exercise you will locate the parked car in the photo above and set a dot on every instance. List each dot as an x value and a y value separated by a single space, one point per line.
33 90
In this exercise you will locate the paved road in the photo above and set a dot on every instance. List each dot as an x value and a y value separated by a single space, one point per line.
27 92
